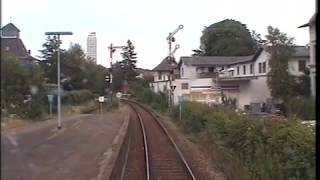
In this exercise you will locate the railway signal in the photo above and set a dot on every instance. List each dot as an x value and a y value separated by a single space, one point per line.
111 77
171 39
108 78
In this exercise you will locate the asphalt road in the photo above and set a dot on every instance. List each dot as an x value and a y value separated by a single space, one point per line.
77 151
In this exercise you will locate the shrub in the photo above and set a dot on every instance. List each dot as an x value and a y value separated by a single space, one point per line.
77 96
267 149
193 115
303 108
145 95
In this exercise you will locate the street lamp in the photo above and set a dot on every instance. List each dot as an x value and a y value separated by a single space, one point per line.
58 65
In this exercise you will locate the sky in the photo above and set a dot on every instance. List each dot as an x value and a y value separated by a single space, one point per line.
147 23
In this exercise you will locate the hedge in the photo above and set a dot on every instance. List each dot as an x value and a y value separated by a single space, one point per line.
77 97
303 108
266 149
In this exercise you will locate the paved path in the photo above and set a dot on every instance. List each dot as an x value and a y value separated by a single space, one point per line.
80 150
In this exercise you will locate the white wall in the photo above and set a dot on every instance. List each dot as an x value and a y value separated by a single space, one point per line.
191 83
187 72
159 86
241 74
293 65
256 91
164 76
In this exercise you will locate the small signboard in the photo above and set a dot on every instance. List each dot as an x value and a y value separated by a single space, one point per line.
50 98
118 95
101 99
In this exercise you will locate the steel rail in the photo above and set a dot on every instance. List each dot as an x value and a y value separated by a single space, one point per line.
144 141
167 134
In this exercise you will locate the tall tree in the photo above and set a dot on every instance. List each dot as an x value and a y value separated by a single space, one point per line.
129 56
227 38
50 48
129 61
49 58
280 48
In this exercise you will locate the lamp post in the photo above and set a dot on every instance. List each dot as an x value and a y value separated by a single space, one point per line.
58 69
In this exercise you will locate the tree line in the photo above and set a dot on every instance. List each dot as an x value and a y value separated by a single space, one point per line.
24 89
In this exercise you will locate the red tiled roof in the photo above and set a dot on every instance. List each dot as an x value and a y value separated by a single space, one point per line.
167 64
13 46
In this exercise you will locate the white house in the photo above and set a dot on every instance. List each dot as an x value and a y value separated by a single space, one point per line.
243 78
312 45
163 75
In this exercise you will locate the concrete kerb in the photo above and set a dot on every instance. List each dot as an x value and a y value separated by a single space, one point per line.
111 155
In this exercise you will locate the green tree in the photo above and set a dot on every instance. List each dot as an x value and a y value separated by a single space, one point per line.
227 38
81 73
303 84
18 82
73 68
118 73
129 61
280 47
49 58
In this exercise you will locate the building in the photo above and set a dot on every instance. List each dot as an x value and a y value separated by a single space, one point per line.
12 45
92 47
163 76
312 45
242 79
144 74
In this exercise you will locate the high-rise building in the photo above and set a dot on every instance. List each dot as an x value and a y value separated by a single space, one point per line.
92 46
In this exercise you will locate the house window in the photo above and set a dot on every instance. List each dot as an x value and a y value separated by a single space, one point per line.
264 67
232 73
260 68
160 76
302 66
238 70
211 69
184 86
182 71
244 69
251 68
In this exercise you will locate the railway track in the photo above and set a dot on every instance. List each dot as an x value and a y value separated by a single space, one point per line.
162 158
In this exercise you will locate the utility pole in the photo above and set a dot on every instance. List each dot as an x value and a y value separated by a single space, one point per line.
112 49
171 39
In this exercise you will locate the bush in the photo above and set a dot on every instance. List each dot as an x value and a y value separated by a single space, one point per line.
267 149
77 97
303 108
145 95
18 81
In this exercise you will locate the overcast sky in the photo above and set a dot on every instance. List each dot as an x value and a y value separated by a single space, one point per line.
147 22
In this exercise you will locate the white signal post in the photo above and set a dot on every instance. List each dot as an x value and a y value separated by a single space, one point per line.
112 50
171 39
